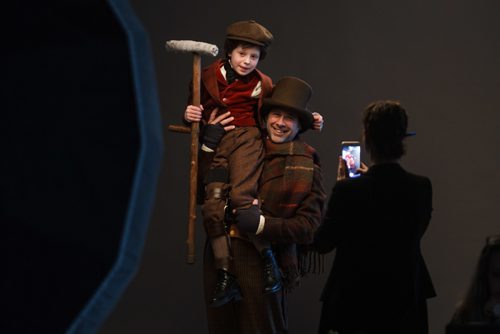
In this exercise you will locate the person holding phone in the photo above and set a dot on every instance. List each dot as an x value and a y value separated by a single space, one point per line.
378 282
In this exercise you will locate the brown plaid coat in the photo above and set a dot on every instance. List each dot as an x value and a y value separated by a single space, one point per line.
292 197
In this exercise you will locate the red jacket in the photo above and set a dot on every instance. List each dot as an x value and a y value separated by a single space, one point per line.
215 92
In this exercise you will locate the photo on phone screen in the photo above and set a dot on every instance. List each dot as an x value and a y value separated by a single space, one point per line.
351 153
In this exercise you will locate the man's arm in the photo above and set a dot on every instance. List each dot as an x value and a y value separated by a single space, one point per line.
329 233
301 227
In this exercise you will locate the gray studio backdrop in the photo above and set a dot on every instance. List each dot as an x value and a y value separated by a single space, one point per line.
440 58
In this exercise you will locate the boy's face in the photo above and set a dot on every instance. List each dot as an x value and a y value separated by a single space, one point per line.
282 126
244 60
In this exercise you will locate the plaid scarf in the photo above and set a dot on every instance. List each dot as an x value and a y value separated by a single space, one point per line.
286 180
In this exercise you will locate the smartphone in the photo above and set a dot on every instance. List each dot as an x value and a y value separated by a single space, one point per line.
351 153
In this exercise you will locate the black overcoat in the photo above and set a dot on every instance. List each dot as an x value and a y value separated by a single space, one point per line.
378 282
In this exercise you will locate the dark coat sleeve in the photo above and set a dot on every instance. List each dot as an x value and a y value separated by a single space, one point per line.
330 231
301 227
426 196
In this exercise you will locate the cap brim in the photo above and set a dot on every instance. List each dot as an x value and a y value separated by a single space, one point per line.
251 41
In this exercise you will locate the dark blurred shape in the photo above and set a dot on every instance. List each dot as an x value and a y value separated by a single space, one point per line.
473 328
74 155
479 310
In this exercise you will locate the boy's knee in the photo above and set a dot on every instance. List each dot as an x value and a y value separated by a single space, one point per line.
213 209
214 206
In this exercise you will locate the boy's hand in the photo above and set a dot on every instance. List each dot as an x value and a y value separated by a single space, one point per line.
193 113
318 121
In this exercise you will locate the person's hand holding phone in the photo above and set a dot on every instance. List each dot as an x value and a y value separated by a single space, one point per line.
363 169
342 170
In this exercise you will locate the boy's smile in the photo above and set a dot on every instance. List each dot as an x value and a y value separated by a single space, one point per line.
244 60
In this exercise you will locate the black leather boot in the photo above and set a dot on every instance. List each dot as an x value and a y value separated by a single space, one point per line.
272 276
227 289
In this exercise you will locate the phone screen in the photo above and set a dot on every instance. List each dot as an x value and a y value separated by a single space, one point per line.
351 153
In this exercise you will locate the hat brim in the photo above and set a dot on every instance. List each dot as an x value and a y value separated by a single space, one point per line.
251 41
304 116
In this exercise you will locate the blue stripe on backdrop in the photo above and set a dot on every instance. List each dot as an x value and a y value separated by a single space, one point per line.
145 179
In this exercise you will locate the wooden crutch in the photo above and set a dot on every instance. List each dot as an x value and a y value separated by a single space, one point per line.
197 49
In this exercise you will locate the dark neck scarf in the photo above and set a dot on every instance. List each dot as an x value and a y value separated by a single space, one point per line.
231 74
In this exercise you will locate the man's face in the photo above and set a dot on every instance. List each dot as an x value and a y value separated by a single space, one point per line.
244 60
282 126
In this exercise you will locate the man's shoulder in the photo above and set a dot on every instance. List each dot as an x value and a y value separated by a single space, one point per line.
307 150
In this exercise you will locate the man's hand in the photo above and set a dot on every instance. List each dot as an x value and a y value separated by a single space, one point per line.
248 220
216 128
318 121
193 113
222 119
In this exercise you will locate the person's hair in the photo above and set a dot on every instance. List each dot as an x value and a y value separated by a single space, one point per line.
231 44
471 308
385 124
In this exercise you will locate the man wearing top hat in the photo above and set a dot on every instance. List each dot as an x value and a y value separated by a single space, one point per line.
287 213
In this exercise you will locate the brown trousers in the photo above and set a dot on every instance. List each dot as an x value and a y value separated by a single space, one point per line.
256 313
241 152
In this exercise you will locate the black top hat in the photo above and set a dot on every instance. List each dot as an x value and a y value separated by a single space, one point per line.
291 94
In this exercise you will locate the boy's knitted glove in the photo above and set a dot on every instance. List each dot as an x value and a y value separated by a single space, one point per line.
248 220
212 135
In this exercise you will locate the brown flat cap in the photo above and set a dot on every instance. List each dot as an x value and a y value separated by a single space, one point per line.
249 31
